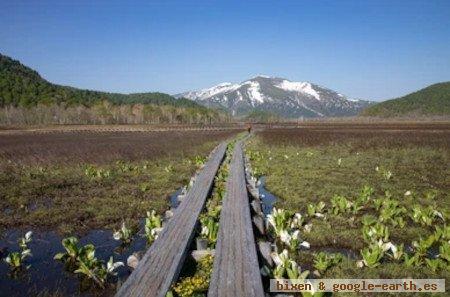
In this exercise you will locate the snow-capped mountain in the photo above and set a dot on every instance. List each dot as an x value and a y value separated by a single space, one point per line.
278 95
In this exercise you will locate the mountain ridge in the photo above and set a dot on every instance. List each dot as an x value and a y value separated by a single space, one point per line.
278 95
22 86
431 100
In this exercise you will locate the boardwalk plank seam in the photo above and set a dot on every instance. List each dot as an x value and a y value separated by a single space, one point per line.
236 271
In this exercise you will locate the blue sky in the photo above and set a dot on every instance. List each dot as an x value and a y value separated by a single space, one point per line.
363 49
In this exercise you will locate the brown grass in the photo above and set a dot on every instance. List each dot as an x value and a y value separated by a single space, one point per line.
361 136
102 147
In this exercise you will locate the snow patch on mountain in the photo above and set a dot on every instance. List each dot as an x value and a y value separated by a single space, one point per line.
278 95
211 92
304 87
353 100
240 98
254 92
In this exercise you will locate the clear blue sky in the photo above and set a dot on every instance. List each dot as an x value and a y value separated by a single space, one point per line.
364 49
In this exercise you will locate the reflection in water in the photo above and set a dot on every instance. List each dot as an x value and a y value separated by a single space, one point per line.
47 274
267 198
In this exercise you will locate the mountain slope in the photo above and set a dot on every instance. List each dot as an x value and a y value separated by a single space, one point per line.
22 86
432 100
277 95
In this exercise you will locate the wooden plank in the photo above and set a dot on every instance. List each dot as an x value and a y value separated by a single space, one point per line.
161 264
236 270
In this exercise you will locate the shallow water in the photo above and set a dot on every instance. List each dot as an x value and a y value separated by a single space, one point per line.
173 198
47 274
267 198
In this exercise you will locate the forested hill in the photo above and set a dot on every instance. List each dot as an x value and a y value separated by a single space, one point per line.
432 100
21 86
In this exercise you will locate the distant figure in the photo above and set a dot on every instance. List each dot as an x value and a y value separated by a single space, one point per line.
249 129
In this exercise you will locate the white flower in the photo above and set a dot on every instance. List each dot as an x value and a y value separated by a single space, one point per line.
117 235
308 227
305 244
388 175
395 252
394 249
26 253
155 232
271 220
276 259
111 265
297 221
204 231
280 259
28 235
285 237
360 264
438 214
407 193
387 246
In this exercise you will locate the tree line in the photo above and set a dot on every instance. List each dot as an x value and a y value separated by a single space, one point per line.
107 113
27 98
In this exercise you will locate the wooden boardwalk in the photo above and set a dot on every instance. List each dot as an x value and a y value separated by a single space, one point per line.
236 271
162 263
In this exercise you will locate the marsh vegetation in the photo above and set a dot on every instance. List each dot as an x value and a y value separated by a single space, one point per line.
101 193
373 200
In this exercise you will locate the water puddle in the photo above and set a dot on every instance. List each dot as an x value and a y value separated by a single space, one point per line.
267 198
48 275
173 198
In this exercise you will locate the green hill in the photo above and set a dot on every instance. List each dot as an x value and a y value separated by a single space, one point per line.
21 86
432 100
